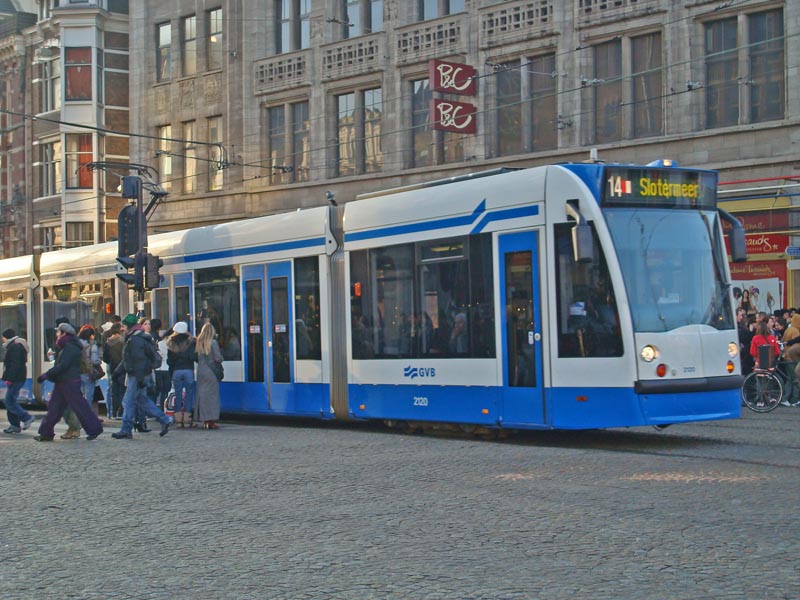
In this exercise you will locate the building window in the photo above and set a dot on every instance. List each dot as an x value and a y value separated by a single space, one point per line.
78 72
430 147
767 85
430 9
189 159
79 234
608 92
301 153
50 85
78 153
288 140
421 131
362 17
215 154
50 177
293 24
722 90
47 239
164 42
647 86
190 45
359 132
164 153
509 109
276 139
214 46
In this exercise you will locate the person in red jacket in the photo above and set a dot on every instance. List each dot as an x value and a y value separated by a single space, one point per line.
763 337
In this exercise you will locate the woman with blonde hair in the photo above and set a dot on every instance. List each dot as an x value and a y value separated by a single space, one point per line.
209 374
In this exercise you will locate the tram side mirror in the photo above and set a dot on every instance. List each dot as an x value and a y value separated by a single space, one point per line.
738 244
582 243
736 240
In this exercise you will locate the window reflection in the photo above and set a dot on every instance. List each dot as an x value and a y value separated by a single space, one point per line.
217 302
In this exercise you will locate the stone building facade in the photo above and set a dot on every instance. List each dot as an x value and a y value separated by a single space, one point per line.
65 65
306 97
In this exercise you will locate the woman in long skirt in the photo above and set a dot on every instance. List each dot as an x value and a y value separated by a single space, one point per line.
209 359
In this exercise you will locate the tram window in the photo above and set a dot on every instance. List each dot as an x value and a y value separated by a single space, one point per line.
182 309
82 303
588 320
426 300
306 308
161 309
217 302
13 313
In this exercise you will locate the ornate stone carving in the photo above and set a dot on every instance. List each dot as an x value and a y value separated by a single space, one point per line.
162 99
187 94
212 89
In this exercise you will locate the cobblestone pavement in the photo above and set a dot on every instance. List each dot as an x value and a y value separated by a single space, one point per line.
301 510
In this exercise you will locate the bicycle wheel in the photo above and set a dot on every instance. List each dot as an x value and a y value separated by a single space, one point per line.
762 391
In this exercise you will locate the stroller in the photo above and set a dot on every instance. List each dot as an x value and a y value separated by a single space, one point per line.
181 417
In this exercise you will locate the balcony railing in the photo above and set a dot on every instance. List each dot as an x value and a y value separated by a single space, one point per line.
429 39
515 21
281 72
359 55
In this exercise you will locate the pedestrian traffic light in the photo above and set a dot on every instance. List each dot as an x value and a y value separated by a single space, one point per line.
152 278
128 231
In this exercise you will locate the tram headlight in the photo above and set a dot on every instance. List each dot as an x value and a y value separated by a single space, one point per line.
733 349
649 353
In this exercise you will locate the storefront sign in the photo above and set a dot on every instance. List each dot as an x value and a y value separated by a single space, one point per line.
458 117
452 78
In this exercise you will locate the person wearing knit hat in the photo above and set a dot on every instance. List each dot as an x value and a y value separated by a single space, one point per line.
129 320
15 373
181 356
66 375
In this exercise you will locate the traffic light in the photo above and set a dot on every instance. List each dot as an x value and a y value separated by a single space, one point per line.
152 278
137 263
128 231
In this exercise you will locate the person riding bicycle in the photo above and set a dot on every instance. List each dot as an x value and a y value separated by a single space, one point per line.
763 337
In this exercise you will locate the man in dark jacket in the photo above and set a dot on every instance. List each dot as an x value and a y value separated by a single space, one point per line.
139 358
15 372
66 375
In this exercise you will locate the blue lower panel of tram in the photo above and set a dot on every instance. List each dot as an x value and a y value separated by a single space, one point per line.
425 403
584 408
304 399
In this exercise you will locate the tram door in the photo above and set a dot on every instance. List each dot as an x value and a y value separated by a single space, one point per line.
523 390
268 351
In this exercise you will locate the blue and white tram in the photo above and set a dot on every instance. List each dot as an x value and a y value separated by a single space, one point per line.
18 282
571 296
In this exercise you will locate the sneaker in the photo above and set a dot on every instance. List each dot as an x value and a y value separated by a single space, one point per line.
785 403
165 427
28 423
12 429
122 436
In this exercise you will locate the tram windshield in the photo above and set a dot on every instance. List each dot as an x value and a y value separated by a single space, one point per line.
673 264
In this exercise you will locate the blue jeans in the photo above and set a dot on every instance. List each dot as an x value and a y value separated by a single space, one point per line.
16 414
87 387
138 400
183 380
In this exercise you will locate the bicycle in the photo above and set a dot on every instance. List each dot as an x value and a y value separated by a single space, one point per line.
764 388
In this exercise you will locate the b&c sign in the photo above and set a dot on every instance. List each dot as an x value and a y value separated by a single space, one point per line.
452 78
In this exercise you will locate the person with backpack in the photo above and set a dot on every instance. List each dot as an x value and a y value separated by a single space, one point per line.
15 372
112 356
139 358
66 375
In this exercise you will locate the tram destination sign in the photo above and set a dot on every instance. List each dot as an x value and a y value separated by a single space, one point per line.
661 188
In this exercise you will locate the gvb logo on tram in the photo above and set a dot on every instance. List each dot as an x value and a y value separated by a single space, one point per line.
421 372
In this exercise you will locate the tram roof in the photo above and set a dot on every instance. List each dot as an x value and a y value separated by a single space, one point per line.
97 261
241 238
18 271
398 211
